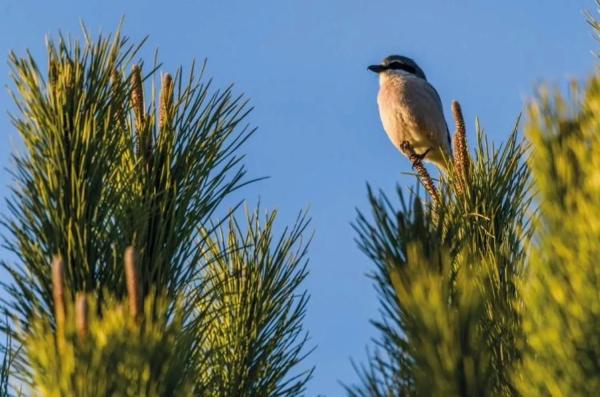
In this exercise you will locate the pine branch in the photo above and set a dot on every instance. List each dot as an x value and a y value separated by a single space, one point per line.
111 197
103 352
561 308
255 281
417 164
86 191
421 253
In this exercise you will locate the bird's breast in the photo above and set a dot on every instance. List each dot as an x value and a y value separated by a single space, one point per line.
395 110
410 111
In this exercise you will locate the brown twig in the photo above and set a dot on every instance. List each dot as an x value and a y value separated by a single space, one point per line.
133 287
81 315
144 142
58 292
52 72
461 151
417 164
137 96
116 82
166 101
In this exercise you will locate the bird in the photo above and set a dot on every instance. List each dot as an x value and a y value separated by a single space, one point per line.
411 110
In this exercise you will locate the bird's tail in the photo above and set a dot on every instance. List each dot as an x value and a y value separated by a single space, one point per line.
440 159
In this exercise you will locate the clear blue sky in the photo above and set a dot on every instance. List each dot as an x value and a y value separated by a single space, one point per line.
303 64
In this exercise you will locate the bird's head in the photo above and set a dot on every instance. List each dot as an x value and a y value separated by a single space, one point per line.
398 64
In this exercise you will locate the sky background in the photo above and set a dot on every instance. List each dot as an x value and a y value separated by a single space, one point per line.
319 139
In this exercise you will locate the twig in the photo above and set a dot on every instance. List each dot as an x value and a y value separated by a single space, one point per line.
417 164
461 152
144 137
133 287
137 97
81 315
58 292
166 101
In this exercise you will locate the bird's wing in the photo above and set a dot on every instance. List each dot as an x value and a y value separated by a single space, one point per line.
439 100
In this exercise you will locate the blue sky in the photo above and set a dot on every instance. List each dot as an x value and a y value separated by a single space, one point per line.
303 65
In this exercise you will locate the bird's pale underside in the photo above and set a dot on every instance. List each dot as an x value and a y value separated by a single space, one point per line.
411 110
405 106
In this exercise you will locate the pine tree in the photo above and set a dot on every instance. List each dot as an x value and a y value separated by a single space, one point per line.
561 296
491 287
446 276
126 283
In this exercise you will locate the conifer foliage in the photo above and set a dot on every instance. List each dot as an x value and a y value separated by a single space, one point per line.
562 294
126 283
446 274
120 184
492 287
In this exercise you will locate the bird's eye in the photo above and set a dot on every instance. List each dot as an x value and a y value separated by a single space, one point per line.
402 66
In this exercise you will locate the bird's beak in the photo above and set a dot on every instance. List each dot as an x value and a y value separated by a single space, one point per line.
376 68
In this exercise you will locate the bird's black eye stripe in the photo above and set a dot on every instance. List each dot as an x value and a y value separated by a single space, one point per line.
402 66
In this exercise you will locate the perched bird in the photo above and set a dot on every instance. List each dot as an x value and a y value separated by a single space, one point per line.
411 109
